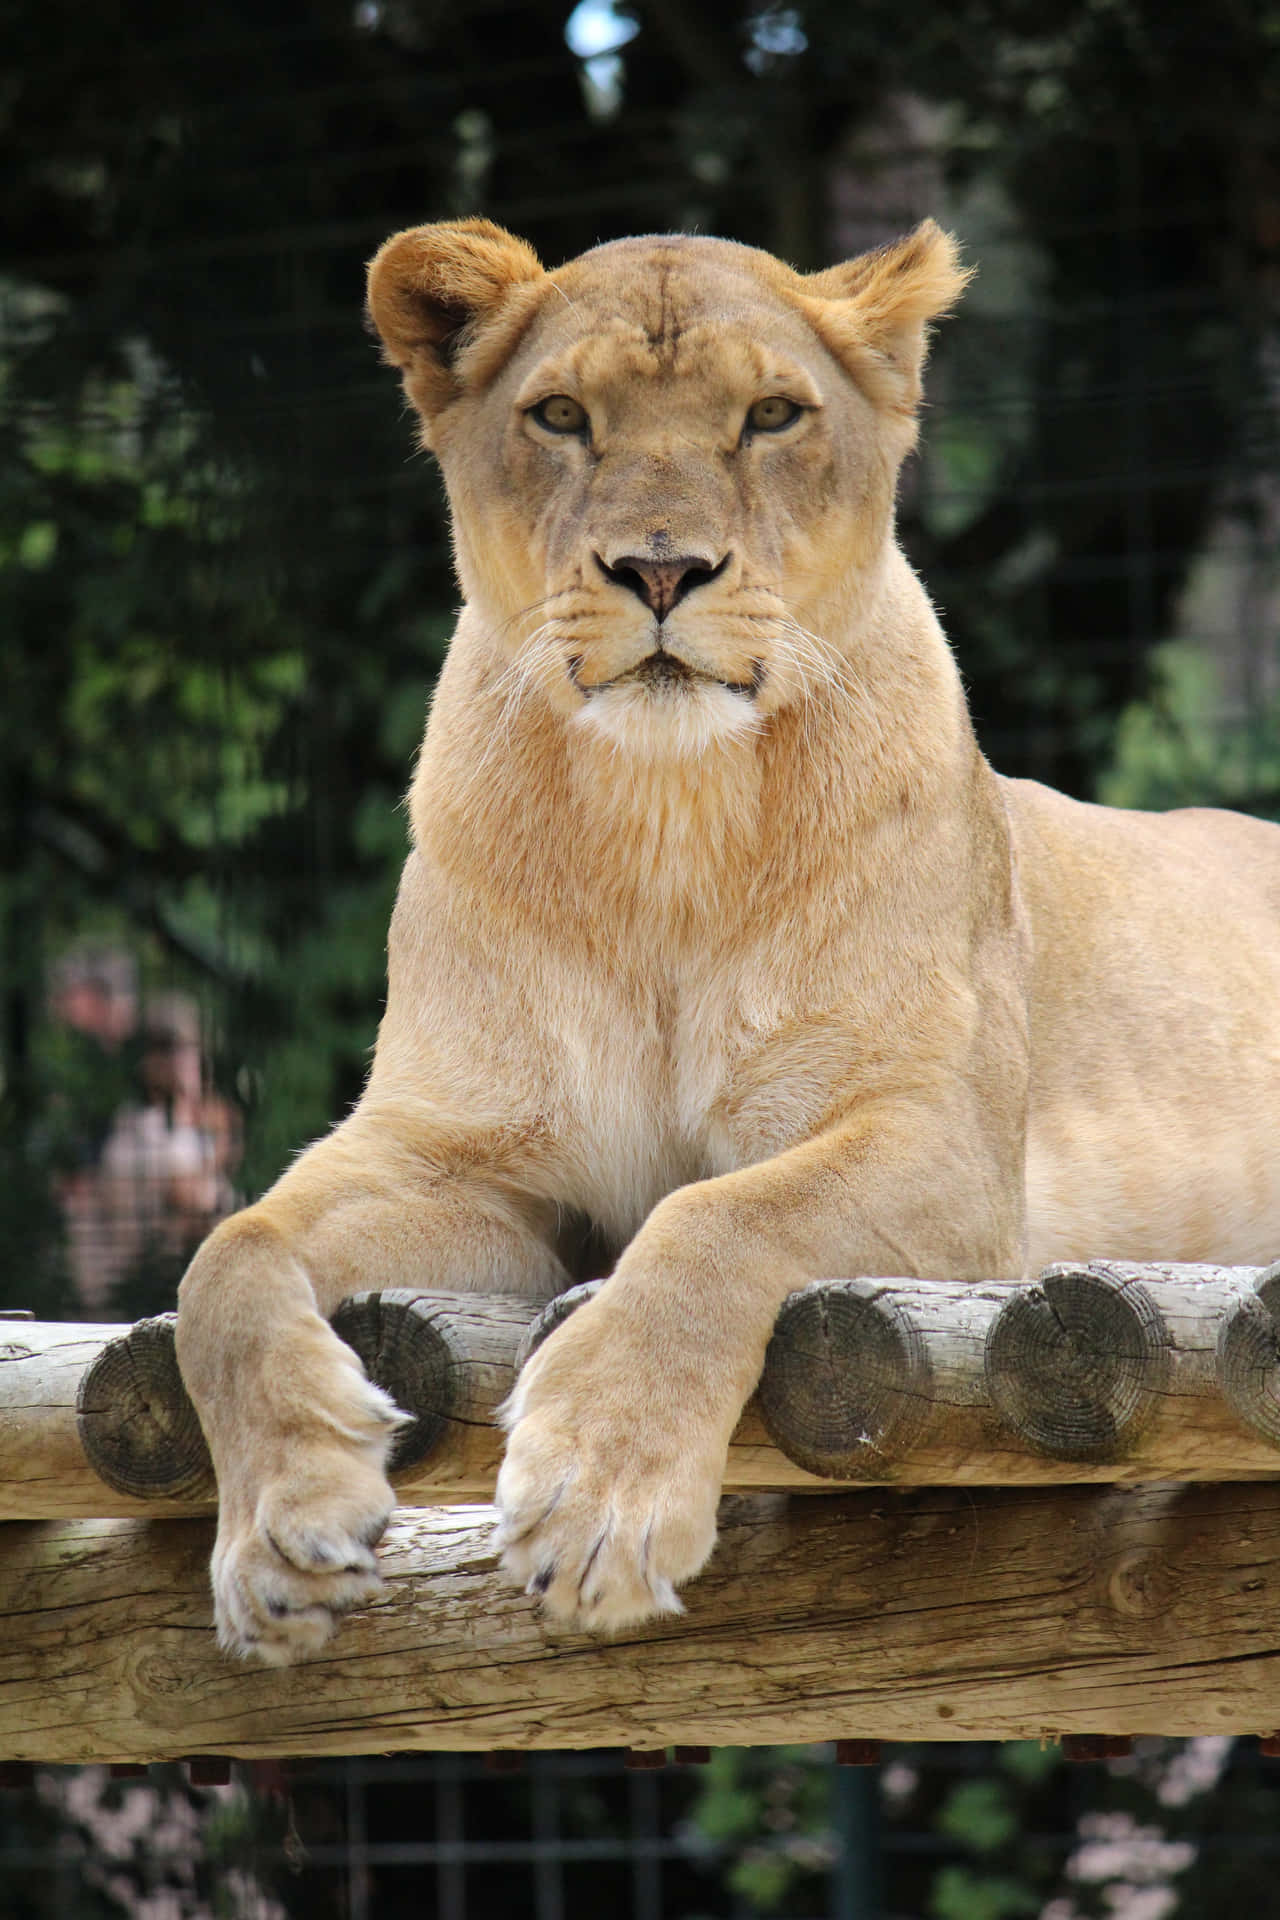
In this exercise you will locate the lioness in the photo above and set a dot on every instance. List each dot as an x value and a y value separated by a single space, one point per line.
718 933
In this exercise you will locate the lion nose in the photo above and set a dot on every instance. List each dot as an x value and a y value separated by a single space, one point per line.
661 584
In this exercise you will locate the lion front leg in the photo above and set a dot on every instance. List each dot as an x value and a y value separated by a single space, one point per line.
620 1423
299 1439
299 1436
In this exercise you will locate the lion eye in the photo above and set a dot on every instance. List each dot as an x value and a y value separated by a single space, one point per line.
560 414
772 414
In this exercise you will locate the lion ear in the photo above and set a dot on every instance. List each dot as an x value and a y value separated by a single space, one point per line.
874 311
432 291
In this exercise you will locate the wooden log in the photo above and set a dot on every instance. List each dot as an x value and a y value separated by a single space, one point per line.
1075 1363
1249 1355
43 1469
141 1433
907 1381
447 1359
847 1382
1108 1370
95 1420
136 1422
922 1615
553 1315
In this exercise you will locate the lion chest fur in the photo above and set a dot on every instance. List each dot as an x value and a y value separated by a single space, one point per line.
638 1031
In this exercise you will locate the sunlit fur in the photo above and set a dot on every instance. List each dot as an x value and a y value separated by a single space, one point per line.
718 933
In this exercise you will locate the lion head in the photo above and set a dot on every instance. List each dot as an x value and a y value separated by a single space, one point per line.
671 462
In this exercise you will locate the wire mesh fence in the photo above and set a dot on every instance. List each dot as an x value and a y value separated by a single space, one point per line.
1179 1828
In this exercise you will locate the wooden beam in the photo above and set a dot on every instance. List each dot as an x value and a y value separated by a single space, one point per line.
44 1471
1099 1373
921 1615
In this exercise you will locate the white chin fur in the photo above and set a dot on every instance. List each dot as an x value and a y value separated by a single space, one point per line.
680 721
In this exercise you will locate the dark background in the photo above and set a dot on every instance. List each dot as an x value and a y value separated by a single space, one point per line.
224 573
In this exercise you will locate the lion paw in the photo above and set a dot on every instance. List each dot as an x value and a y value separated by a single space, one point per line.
291 1562
601 1516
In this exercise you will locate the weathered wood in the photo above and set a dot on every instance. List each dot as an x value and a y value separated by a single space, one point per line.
553 1315
448 1359
444 1358
95 1421
913 1382
1075 1364
43 1469
847 1381
136 1422
1249 1355
923 1615
1104 1371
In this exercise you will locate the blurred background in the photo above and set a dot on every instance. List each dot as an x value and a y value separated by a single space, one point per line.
225 591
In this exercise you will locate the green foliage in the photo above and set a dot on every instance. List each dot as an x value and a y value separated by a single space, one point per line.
1175 748
767 1812
179 740
1032 1763
959 1894
987 1816
981 1814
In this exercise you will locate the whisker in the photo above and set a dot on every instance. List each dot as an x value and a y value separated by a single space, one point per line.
522 613
829 683
527 668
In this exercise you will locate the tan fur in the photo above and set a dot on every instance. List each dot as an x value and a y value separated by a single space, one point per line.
742 954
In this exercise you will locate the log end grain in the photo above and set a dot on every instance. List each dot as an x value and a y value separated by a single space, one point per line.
554 1314
405 1343
135 1419
1074 1364
846 1387
1249 1357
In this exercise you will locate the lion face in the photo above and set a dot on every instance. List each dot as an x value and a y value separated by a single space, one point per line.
666 462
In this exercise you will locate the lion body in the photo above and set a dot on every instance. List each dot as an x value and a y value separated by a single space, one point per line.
1155 1030
718 934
